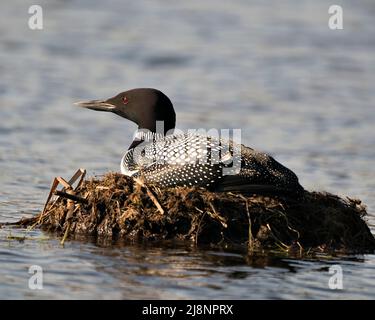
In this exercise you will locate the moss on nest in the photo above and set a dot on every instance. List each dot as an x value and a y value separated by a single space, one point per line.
118 208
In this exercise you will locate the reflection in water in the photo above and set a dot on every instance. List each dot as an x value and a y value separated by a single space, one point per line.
92 269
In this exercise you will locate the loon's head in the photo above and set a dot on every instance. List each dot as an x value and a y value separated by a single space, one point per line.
144 106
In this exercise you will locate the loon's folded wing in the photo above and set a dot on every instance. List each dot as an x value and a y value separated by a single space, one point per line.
237 183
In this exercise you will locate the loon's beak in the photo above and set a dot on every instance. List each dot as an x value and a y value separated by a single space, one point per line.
98 105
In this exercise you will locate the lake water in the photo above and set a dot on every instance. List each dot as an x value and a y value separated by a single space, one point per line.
297 89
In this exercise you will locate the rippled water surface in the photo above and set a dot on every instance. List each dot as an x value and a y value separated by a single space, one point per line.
297 89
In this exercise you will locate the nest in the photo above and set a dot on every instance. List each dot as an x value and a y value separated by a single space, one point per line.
119 208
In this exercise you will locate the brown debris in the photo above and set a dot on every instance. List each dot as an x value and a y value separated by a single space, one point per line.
118 208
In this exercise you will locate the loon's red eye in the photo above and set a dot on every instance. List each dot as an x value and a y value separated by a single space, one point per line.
125 100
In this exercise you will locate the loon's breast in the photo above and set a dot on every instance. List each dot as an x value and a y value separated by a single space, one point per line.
127 166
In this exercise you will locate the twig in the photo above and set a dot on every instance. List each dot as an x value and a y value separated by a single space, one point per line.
199 224
80 173
216 216
71 196
286 247
251 238
55 183
69 214
152 196
65 233
300 248
102 188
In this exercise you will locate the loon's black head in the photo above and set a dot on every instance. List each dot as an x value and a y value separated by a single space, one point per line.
144 106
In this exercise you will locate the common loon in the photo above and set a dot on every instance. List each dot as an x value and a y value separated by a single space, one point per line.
166 158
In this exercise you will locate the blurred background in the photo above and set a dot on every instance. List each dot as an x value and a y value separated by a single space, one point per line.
298 90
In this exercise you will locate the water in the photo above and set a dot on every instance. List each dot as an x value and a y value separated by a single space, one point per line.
297 89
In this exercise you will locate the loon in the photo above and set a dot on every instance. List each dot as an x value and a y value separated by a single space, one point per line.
166 158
